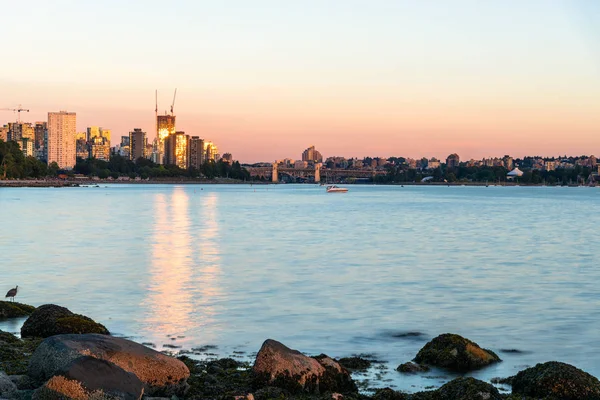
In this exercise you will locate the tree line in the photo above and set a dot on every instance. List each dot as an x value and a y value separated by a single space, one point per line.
15 165
564 176
144 168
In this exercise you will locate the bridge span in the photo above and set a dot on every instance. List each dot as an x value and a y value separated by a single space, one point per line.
274 172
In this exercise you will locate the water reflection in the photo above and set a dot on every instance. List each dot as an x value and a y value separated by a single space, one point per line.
185 267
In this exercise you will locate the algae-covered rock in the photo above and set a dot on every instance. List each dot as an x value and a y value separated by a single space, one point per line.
160 373
91 378
354 363
412 368
279 366
49 320
461 389
389 394
9 309
15 353
556 380
455 353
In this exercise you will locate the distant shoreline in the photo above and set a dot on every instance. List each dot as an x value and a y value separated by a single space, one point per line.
79 183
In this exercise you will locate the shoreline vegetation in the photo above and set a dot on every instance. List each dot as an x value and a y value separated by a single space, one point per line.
14 165
63 355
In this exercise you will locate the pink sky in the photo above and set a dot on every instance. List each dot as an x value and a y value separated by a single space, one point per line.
352 78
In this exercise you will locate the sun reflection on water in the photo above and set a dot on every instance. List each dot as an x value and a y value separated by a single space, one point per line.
185 268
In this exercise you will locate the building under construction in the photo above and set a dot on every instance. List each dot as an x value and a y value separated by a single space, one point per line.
165 126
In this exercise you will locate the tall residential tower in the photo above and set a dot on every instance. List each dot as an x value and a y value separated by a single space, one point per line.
61 138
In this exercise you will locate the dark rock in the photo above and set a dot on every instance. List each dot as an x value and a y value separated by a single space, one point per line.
461 389
412 368
270 392
280 366
49 320
558 381
8 389
9 309
354 363
15 353
455 353
389 394
161 374
91 378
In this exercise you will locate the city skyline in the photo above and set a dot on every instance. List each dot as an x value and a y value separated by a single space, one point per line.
356 79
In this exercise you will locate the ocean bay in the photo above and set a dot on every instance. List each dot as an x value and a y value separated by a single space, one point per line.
512 268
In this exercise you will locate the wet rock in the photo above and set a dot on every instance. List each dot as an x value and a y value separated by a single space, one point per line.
354 363
461 389
389 394
161 374
412 368
455 353
15 353
49 320
8 389
9 309
558 381
91 378
280 366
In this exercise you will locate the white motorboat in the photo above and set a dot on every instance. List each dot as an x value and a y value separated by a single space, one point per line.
335 189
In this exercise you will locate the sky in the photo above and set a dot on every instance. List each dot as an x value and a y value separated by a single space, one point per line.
265 79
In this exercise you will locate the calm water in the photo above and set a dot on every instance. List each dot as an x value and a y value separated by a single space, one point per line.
508 267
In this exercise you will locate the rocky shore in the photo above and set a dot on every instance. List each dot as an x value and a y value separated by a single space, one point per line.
64 355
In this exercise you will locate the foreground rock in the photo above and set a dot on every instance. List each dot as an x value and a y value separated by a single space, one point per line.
91 378
461 389
8 390
162 375
279 366
15 353
49 320
556 380
455 353
9 309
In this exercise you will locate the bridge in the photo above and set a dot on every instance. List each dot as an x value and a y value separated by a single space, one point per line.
274 173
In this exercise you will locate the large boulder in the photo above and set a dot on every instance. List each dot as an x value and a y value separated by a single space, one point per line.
49 320
160 373
455 353
279 366
9 309
556 380
91 378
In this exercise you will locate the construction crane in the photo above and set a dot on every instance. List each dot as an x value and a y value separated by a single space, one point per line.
173 104
17 110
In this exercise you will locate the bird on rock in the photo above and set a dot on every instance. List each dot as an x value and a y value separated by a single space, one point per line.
12 293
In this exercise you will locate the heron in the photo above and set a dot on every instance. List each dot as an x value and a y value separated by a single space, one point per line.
12 293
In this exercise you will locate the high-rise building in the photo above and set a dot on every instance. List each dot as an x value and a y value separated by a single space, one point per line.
26 146
4 133
210 151
105 133
453 161
92 131
82 148
19 130
61 138
100 148
227 158
196 152
165 126
176 149
312 155
40 131
137 144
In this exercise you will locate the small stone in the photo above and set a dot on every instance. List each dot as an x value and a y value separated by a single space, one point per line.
412 368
